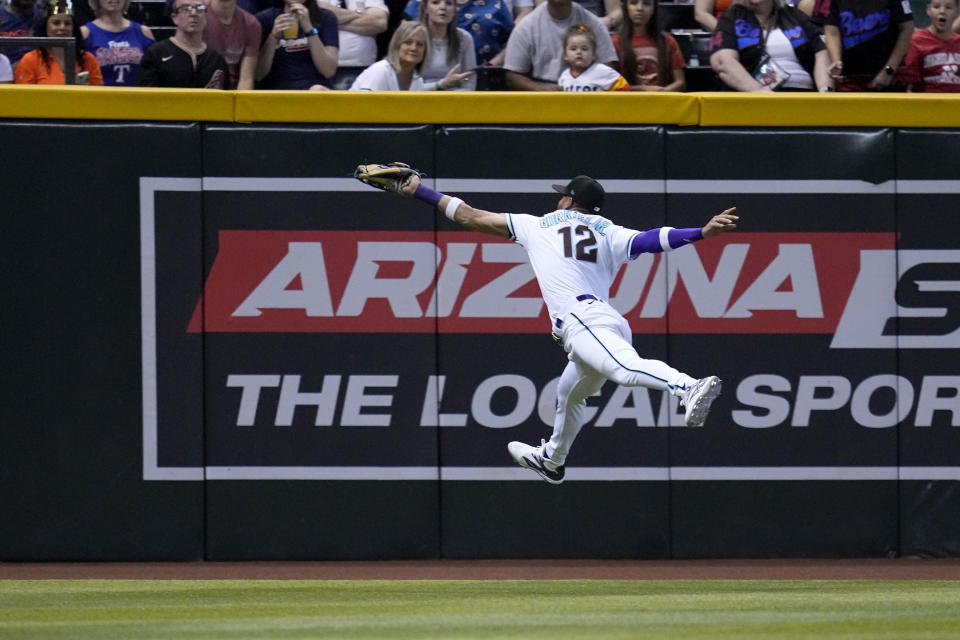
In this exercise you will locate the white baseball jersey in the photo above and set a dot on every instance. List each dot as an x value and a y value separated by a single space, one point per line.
596 77
572 254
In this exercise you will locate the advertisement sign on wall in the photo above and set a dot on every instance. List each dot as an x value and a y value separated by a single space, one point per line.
367 350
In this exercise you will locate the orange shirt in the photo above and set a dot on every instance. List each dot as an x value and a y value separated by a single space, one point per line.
720 6
32 70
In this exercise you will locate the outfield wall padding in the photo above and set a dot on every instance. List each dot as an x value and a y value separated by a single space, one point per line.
71 436
223 347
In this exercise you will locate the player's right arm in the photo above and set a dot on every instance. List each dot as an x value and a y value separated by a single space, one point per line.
459 211
477 219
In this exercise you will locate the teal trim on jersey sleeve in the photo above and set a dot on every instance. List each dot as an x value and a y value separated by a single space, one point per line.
513 233
630 254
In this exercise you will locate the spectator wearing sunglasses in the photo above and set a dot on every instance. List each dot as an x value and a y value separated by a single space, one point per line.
184 60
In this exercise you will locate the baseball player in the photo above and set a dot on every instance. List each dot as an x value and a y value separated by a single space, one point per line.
576 253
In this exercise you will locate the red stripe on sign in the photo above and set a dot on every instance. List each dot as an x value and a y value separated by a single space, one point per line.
458 282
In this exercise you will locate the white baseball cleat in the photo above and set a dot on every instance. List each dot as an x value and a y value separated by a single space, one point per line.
535 459
698 398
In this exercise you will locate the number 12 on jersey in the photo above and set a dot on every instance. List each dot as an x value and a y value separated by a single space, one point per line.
586 246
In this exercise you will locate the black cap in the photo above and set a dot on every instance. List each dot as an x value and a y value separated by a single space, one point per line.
585 192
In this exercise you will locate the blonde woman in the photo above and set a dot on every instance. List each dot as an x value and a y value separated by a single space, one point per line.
400 69
116 42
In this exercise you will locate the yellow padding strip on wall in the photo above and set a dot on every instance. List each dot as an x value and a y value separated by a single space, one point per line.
479 107
483 107
829 110
115 103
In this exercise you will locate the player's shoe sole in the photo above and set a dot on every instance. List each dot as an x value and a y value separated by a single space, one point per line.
532 458
699 398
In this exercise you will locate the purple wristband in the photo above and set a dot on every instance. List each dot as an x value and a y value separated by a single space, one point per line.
427 194
652 241
680 237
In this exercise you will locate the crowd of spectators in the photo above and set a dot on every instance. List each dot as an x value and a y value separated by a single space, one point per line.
536 45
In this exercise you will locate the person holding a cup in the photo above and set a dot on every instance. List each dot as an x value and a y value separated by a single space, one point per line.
300 47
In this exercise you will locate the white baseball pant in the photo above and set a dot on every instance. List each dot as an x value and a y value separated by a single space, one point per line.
599 344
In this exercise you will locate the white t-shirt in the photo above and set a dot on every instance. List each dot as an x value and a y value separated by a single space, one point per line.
6 71
435 67
778 47
536 43
596 77
380 76
357 50
572 253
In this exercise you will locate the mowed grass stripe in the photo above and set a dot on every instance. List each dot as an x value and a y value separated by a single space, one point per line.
674 609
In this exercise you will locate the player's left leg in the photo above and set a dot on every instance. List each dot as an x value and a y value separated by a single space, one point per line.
604 344
606 349
577 383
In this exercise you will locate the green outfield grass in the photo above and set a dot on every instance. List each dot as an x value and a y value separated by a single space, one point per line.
589 609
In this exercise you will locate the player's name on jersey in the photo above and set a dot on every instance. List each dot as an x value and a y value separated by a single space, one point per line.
597 223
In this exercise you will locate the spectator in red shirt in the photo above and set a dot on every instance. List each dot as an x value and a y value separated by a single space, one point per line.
652 61
234 34
933 58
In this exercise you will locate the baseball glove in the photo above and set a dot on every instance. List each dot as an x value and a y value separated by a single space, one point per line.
393 176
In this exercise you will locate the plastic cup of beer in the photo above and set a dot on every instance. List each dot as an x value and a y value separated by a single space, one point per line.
291 32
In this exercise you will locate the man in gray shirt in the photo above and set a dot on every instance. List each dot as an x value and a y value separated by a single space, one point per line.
534 58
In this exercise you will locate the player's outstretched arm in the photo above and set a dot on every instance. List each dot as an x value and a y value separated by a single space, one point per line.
720 223
405 180
459 211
